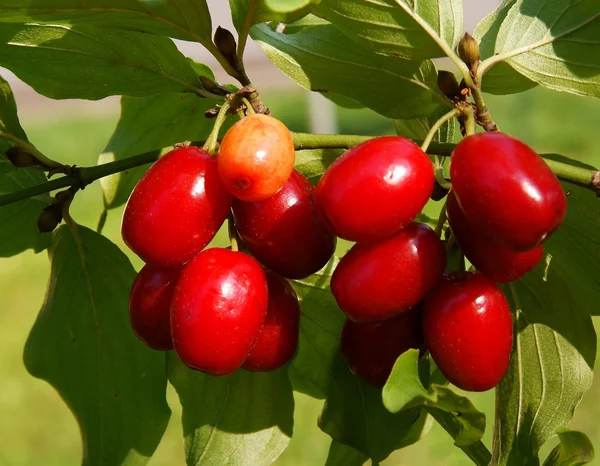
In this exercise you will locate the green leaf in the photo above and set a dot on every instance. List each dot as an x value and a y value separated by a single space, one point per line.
344 102
354 415
83 345
552 43
574 250
181 19
88 62
201 69
152 124
398 28
312 163
321 324
241 419
395 88
343 455
502 78
418 128
9 120
296 26
551 366
247 13
18 221
574 449
404 390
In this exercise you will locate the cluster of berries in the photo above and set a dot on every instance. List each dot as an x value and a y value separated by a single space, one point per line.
391 285
219 308
223 309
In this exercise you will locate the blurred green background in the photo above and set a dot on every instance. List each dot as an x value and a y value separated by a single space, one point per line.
35 425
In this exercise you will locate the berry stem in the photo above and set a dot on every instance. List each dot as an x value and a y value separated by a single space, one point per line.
81 177
249 107
436 126
210 145
233 236
470 125
441 221
439 172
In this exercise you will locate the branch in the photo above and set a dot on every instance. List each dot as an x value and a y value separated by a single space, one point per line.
81 177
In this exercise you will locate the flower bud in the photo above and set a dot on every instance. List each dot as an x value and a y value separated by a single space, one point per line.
468 50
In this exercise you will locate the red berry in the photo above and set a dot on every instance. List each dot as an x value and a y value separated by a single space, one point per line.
377 281
468 329
372 349
218 309
375 189
284 232
176 209
507 190
278 338
493 259
256 157
150 304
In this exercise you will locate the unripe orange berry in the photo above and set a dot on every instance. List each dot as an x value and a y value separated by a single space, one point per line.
256 157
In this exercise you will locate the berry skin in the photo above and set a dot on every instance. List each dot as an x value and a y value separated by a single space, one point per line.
376 281
493 259
176 209
375 189
256 157
468 329
283 232
218 309
372 349
507 190
150 305
278 338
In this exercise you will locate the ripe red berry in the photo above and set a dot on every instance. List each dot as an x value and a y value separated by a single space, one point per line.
150 304
375 189
277 341
376 281
218 309
176 209
507 190
284 232
493 259
256 157
468 329
372 349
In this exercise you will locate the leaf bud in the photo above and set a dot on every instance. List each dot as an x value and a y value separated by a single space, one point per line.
448 84
20 158
225 42
49 219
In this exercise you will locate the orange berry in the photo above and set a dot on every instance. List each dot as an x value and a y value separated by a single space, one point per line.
256 157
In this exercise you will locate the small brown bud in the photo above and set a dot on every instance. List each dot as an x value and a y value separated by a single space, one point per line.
20 158
212 86
448 84
225 42
49 219
468 50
